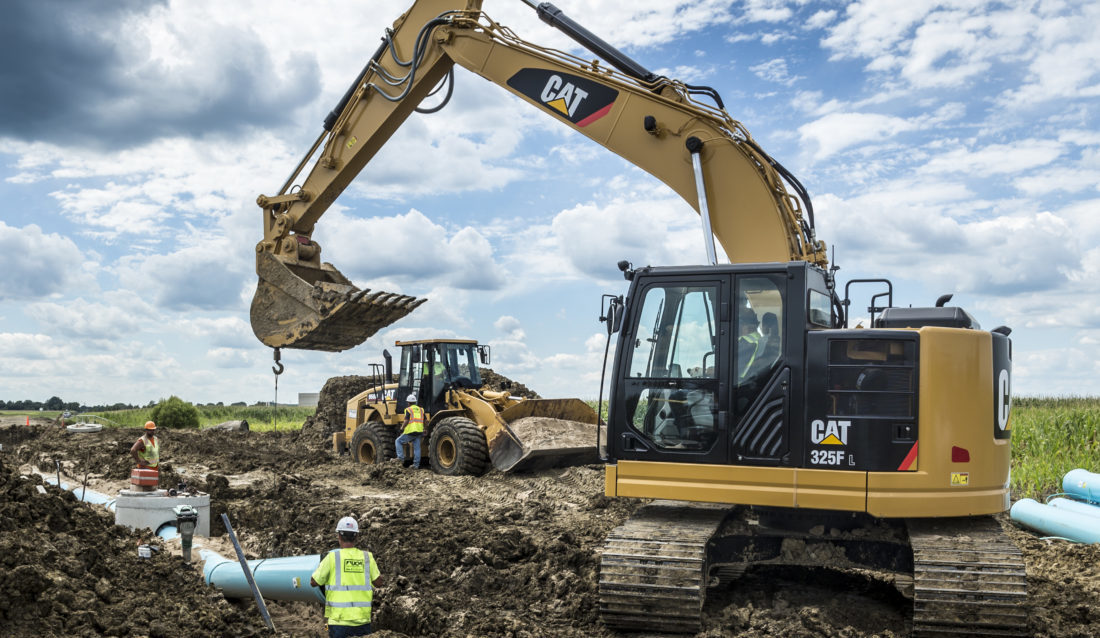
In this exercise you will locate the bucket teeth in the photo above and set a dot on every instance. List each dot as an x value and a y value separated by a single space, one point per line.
331 315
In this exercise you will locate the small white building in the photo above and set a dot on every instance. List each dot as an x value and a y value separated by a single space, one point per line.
308 399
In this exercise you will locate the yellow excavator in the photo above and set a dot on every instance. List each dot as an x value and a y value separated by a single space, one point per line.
467 427
766 429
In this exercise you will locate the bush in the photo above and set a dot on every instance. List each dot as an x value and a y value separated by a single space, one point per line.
175 413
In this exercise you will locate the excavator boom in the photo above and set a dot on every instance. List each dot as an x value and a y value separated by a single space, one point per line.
655 122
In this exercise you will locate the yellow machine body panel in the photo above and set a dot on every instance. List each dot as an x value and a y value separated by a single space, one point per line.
955 423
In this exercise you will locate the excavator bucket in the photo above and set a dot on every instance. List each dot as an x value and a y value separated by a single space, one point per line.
318 309
544 433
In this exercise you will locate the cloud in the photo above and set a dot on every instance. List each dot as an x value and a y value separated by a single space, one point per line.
646 226
24 346
73 82
37 264
933 45
409 249
996 159
226 332
775 71
835 132
205 273
86 320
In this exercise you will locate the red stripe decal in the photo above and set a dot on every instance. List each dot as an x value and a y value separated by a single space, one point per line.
910 458
595 116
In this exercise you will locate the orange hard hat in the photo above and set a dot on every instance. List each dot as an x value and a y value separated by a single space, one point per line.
149 425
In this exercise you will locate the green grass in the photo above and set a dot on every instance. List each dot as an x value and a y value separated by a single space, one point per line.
45 414
1051 437
260 418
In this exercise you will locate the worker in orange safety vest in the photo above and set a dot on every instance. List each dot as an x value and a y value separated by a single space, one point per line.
146 450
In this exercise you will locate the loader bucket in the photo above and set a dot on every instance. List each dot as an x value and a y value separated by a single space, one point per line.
318 308
544 433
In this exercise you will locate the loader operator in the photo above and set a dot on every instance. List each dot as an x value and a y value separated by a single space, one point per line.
413 432
348 591
146 450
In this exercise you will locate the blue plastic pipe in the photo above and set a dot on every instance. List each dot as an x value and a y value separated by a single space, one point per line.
90 496
284 578
1076 506
1082 485
1054 521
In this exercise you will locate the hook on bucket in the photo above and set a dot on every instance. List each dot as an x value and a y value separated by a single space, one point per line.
278 367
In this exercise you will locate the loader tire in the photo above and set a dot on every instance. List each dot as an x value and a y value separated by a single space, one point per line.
458 447
373 442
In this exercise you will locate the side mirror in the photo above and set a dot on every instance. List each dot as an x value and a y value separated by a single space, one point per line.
483 354
613 316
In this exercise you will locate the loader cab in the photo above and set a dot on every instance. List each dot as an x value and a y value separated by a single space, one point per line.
709 361
429 368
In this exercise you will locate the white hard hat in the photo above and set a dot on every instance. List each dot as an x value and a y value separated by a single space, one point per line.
347 524
411 398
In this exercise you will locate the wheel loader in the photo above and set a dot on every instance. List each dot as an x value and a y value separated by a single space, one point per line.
467 427
768 430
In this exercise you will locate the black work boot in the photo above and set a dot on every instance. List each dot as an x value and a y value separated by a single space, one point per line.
406 462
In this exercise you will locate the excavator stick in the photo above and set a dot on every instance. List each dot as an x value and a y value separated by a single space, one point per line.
318 308
543 433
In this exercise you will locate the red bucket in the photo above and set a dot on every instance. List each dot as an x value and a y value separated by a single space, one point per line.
144 479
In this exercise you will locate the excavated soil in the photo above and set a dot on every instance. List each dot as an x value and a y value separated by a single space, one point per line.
318 429
499 556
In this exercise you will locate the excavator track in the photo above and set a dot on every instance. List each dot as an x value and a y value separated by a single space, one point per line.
968 579
653 570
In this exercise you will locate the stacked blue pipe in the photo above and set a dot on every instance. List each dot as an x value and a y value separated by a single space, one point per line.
284 578
1082 485
1076 519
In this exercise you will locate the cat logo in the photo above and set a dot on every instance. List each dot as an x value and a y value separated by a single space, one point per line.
577 99
833 433
353 565
960 479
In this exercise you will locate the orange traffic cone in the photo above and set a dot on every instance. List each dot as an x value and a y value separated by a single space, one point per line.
28 419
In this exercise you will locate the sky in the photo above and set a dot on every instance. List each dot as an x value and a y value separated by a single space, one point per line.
951 147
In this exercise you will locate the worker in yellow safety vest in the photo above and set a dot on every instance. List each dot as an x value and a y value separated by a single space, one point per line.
349 576
146 450
413 432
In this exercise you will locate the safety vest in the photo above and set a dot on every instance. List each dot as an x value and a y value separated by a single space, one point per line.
754 339
151 454
415 415
348 591
437 369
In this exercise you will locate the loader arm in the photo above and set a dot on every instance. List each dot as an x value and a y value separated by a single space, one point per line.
654 122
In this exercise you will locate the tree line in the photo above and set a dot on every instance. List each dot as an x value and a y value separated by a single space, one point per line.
57 404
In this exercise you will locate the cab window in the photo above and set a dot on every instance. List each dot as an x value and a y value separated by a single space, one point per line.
671 393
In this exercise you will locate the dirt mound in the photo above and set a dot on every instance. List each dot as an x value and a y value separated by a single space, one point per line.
70 571
332 403
501 383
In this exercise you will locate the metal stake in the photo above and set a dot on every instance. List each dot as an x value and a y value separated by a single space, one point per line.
247 572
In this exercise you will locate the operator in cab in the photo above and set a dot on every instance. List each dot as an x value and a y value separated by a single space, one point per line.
413 432
748 341
349 576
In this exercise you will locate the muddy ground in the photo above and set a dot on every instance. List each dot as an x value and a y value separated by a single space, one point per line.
495 556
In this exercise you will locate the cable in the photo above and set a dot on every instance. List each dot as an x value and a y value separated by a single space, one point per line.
450 82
